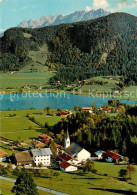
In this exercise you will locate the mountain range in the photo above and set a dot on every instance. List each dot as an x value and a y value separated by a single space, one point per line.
60 19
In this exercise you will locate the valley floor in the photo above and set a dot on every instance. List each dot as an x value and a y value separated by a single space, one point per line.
104 182
37 81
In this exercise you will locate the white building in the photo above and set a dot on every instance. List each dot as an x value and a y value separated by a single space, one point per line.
68 158
42 156
99 154
67 140
75 150
65 166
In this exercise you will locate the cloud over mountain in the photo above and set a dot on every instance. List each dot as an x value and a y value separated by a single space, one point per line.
100 4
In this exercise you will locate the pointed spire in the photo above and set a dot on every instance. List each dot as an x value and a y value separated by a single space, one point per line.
67 133
67 140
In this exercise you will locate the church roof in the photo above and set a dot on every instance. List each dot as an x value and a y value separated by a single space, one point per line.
74 149
66 157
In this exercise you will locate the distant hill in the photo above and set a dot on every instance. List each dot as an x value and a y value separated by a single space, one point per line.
60 19
78 51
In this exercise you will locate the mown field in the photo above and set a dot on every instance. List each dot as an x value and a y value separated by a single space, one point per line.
18 80
104 182
80 183
17 127
38 59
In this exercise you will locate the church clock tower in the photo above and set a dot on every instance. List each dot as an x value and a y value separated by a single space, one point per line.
67 141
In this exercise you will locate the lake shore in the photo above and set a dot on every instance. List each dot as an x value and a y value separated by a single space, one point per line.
56 100
83 93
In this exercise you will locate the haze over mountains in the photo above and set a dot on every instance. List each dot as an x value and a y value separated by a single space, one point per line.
59 19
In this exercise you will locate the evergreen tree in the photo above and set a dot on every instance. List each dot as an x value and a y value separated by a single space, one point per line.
25 185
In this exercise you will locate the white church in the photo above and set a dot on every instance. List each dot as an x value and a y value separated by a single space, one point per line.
75 150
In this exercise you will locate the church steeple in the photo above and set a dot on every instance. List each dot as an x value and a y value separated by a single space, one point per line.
68 134
67 140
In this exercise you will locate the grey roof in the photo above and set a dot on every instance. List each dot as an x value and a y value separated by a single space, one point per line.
74 149
41 152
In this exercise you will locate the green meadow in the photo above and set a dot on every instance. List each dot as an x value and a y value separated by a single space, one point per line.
6 187
104 182
110 85
18 80
17 127
14 82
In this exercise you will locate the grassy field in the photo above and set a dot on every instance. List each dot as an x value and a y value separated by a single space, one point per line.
18 80
10 82
6 186
18 127
79 183
110 85
97 184
38 59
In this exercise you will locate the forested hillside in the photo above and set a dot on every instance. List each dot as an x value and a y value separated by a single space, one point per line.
78 51
100 131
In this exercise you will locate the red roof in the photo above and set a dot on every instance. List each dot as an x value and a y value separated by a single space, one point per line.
65 157
45 140
64 165
63 114
44 136
113 155
107 109
60 147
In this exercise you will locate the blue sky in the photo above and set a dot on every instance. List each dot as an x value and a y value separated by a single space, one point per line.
12 12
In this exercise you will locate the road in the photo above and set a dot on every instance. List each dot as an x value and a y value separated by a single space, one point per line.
38 187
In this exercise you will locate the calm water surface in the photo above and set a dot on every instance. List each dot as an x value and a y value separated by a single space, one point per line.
25 101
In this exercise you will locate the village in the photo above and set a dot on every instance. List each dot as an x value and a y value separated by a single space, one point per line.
55 157
69 157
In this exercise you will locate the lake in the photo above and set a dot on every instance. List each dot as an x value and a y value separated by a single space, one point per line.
40 101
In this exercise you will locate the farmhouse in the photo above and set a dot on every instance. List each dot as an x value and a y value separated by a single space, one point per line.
23 158
65 166
42 156
3 155
68 158
37 144
112 157
99 154
44 138
107 110
116 92
87 109
75 150
63 114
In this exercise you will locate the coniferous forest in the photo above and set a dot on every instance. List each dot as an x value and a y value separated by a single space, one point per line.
102 131
78 51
